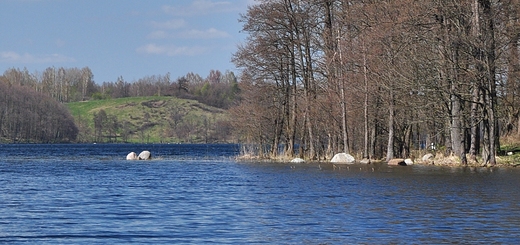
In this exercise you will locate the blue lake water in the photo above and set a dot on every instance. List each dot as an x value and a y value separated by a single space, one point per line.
198 194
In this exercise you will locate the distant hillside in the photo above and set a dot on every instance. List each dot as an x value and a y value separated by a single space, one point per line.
151 119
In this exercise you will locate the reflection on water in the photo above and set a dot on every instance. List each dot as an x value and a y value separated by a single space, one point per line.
87 194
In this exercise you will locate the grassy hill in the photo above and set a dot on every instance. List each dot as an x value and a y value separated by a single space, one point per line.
150 120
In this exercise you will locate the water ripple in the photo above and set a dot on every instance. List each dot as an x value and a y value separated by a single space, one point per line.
69 198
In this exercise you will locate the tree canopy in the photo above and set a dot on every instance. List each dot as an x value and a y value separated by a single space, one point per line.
29 116
379 78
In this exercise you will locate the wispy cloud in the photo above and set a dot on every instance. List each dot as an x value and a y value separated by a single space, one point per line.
200 7
181 29
210 33
14 57
59 43
251 2
171 50
170 24
158 35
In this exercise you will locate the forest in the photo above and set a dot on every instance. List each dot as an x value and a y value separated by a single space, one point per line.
73 84
379 78
29 116
32 107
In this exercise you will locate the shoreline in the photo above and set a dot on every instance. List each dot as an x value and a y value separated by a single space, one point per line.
448 161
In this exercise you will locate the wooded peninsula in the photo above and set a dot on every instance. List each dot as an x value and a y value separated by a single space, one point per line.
376 79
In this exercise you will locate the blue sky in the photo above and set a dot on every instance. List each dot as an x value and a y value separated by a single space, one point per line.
128 38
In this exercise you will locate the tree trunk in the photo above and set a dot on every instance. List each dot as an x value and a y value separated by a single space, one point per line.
276 139
391 112
310 95
475 132
490 97
457 132
292 96
373 141
407 141
365 105
456 113
513 79
343 103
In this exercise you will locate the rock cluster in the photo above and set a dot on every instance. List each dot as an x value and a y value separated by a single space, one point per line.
145 155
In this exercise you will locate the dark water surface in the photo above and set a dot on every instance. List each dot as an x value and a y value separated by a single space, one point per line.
197 194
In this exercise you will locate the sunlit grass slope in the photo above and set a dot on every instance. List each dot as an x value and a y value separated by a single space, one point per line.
148 120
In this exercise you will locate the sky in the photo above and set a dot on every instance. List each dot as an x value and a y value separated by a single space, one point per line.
128 38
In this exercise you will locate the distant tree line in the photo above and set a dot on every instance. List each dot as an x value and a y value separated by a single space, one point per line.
30 101
73 84
27 116
379 78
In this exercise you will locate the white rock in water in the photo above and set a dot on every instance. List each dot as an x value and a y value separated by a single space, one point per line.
145 155
365 161
297 160
400 162
427 157
408 161
132 156
343 158
397 162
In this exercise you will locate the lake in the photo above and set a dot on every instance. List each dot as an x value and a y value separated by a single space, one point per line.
198 194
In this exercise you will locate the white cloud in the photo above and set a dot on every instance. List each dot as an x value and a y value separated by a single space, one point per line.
13 57
252 2
171 24
200 7
158 35
59 43
171 50
207 5
10 56
206 34
210 33
179 28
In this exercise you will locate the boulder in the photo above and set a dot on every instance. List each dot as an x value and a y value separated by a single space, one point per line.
397 161
408 161
427 157
297 160
132 156
145 155
343 158
365 161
